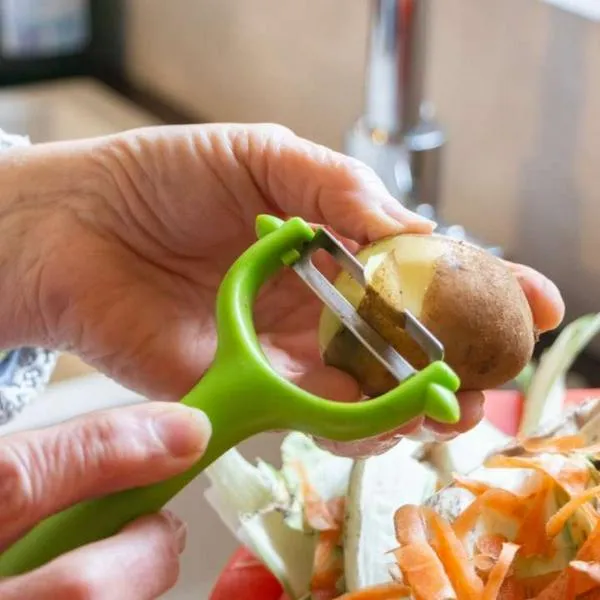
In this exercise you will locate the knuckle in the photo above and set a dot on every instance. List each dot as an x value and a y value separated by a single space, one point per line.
94 447
17 494
97 434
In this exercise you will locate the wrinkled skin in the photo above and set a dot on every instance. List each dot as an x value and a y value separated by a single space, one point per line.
117 247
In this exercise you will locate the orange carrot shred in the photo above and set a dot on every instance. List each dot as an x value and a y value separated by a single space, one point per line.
554 445
590 550
392 591
560 589
532 586
327 565
500 500
573 479
453 555
409 525
423 572
318 513
500 571
512 589
531 535
337 510
475 487
558 520
591 449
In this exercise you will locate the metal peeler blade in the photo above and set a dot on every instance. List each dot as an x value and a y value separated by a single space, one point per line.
326 291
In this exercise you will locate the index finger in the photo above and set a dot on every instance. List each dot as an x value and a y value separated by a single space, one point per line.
303 178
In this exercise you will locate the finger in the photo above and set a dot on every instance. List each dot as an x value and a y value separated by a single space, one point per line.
471 412
43 472
333 384
329 383
141 562
371 446
547 304
299 177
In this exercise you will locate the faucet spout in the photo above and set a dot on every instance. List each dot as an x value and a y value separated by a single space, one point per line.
397 134
395 65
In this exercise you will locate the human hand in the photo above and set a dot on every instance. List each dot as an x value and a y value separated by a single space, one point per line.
43 472
128 243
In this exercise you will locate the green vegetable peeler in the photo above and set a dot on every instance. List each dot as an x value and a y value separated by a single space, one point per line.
242 394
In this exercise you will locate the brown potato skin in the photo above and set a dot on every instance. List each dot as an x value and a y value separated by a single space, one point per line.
474 305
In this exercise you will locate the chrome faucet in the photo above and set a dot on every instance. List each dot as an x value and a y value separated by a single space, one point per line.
398 134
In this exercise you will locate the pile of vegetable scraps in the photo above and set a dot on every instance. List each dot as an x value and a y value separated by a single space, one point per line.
485 516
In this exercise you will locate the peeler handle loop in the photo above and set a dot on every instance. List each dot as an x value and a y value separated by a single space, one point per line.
234 394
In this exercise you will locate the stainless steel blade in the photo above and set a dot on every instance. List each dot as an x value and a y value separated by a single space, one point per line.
329 295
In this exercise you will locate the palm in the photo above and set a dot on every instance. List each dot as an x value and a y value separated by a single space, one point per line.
154 305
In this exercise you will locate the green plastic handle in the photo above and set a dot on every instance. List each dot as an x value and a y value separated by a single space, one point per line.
242 395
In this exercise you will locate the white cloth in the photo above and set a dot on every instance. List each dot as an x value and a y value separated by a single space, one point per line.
24 372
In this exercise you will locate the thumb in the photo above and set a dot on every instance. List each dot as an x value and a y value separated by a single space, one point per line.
303 178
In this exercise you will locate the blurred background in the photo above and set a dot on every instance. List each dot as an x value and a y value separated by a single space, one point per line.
484 113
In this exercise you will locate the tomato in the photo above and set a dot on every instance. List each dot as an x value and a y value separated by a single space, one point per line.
245 579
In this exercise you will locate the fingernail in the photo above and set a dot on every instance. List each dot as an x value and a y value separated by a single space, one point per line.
184 431
409 219
552 291
179 529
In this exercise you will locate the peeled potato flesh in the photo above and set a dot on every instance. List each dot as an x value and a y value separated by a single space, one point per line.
468 298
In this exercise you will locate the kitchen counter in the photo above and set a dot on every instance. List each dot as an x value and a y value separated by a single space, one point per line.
68 109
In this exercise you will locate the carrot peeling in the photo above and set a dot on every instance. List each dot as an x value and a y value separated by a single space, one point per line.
500 571
320 515
559 519
454 556
532 536
328 566
475 487
424 572
499 500
392 591
555 445
512 589
409 525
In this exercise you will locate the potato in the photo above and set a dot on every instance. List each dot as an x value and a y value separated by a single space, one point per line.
468 298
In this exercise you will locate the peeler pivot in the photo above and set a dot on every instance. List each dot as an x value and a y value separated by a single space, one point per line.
347 314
